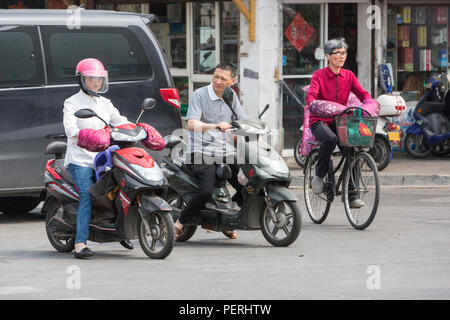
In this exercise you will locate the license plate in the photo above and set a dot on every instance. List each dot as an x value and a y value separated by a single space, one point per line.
394 136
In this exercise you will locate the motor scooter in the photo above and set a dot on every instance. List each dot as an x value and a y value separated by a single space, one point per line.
387 133
430 133
268 204
131 205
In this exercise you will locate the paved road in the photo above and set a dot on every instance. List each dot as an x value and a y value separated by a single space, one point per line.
404 254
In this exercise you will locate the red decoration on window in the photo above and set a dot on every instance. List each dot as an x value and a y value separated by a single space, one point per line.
299 32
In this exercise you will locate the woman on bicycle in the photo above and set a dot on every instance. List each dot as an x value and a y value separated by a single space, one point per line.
332 83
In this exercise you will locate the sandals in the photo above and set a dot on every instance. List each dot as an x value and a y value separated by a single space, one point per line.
178 232
230 234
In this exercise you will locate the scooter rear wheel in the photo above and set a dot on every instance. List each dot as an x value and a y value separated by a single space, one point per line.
174 200
417 147
61 244
158 239
381 152
286 229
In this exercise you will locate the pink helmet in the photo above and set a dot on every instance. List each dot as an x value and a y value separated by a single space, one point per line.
92 76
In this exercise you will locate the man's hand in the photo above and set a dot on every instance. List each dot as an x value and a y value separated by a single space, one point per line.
224 126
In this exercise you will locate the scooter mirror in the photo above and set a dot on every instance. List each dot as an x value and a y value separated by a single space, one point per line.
85 113
148 104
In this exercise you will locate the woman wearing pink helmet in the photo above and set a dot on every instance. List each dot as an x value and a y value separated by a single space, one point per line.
93 81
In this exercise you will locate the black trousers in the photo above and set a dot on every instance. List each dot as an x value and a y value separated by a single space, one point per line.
327 137
206 179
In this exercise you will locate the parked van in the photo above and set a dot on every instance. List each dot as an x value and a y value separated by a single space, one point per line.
39 50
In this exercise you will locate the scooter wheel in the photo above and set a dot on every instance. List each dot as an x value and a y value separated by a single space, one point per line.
286 229
381 152
157 236
60 243
299 158
417 147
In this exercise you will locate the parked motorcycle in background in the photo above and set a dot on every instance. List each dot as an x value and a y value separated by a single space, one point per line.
430 133
387 132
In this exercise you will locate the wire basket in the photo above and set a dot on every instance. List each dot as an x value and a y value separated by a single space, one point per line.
356 131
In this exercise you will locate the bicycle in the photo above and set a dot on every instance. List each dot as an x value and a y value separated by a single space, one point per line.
358 167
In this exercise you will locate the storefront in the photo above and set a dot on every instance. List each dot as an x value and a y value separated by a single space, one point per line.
417 44
195 37
273 65
316 21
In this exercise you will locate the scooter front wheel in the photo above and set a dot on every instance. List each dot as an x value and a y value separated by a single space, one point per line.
285 228
156 235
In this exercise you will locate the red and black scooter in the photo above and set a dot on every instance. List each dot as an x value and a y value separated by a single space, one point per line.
130 205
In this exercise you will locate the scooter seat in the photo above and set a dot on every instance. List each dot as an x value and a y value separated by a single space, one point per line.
63 170
171 141
428 107
57 148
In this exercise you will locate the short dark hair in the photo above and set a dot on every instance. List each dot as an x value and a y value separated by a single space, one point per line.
228 66
334 44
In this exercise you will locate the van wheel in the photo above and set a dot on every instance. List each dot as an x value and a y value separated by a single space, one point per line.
13 205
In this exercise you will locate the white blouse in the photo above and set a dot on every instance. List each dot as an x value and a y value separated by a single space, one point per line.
72 125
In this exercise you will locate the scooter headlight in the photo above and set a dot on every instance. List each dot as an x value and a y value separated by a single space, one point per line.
152 174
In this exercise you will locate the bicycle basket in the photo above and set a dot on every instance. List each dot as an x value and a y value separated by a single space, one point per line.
356 131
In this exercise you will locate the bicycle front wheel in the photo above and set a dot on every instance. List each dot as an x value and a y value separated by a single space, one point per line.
361 182
317 205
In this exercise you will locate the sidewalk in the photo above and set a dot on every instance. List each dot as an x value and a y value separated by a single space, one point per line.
403 170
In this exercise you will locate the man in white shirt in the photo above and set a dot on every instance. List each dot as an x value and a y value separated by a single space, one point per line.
93 81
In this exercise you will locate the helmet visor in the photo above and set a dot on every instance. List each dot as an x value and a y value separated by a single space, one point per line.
96 84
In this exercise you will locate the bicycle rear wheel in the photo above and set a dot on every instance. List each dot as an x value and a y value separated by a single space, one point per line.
366 187
317 205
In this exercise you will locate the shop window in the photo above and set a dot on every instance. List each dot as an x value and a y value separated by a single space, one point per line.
301 28
198 85
293 104
118 49
20 58
170 30
229 33
204 37
342 23
418 46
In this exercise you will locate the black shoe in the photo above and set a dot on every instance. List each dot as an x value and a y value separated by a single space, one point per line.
127 244
83 254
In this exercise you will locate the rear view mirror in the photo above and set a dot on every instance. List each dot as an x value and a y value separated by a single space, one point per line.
148 104
85 113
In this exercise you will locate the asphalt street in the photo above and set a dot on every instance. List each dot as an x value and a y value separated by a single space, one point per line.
404 254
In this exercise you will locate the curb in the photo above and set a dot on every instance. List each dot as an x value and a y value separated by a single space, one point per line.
390 180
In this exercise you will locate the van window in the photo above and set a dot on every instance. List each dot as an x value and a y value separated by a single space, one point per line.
117 48
20 57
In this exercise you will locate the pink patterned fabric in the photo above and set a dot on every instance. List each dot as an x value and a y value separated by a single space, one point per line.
353 101
371 105
308 137
326 109
94 140
154 140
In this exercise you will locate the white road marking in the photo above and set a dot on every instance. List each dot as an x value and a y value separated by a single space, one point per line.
18 290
